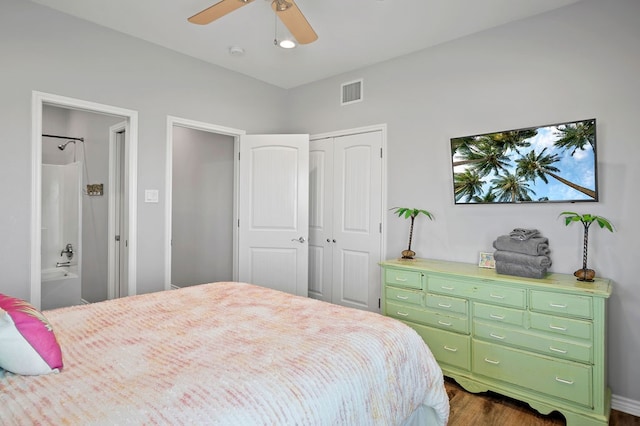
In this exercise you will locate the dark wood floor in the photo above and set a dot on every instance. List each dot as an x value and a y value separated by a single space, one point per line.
490 409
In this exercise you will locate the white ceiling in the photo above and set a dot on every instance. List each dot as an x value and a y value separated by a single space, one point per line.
351 33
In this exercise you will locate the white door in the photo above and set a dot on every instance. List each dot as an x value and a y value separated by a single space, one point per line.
273 211
118 213
345 220
320 218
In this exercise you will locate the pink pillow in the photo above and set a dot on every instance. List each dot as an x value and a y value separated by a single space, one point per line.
27 343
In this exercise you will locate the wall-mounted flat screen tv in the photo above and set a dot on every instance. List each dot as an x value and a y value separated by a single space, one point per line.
543 164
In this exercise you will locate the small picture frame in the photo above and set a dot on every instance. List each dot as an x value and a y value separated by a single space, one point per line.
486 260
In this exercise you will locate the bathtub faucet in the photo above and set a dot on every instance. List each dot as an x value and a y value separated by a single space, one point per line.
62 264
68 250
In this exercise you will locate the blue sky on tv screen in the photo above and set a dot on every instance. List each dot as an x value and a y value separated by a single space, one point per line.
579 168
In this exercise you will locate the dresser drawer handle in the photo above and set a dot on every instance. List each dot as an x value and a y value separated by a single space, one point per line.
450 349
490 361
566 382
496 336
560 351
556 305
444 305
555 327
402 280
444 287
447 324
402 314
496 296
498 317
402 297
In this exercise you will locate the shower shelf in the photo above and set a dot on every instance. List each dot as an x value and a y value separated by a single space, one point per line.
95 189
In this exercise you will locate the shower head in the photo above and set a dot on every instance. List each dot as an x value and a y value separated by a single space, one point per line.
62 146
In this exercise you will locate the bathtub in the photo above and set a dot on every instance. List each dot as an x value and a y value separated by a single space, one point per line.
61 287
59 273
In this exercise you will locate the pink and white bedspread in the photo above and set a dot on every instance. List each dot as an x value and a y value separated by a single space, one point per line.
228 354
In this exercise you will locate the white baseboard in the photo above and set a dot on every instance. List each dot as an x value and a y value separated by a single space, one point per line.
625 405
84 302
174 287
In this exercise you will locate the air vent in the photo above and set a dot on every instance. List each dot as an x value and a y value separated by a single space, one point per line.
351 92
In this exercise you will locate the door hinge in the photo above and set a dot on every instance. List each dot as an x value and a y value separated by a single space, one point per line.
379 304
381 227
238 223
380 152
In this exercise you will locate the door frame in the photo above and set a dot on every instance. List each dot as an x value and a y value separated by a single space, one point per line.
172 122
38 100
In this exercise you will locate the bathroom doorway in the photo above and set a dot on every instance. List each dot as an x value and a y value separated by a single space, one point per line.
57 122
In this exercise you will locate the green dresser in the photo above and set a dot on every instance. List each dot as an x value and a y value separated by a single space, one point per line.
541 341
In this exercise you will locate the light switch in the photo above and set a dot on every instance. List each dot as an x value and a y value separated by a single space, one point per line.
150 195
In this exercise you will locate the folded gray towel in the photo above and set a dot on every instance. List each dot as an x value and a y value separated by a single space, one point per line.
522 259
507 268
536 246
523 234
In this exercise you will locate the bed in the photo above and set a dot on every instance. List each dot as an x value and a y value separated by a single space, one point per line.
229 354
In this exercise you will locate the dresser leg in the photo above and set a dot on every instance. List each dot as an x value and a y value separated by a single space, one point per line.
574 419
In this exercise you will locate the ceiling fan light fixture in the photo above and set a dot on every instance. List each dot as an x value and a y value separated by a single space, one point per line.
287 43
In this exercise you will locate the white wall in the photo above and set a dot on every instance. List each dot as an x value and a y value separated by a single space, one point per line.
579 62
47 51
202 207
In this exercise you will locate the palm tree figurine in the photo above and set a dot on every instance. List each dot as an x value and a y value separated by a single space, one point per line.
410 213
585 274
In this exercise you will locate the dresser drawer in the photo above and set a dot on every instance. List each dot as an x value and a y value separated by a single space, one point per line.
561 325
499 314
427 317
402 278
562 379
505 296
403 295
448 348
559 348
562 304
442 285
446 303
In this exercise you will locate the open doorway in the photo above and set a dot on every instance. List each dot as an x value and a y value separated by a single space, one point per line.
201 211
89 253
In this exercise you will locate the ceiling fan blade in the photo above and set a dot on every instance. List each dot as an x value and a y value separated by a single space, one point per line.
216 11
296 23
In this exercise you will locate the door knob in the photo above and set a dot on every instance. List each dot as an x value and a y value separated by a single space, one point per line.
300 240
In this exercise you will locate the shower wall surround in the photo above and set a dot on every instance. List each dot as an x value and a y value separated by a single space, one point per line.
61 225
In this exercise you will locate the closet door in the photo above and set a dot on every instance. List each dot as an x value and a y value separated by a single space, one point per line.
320 218
345 193
357 219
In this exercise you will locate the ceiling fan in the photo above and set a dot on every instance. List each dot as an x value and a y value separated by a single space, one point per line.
286 10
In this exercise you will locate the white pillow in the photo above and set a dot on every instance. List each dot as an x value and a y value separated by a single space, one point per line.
28 345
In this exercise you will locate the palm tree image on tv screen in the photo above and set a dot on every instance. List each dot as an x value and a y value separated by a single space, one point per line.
551 163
